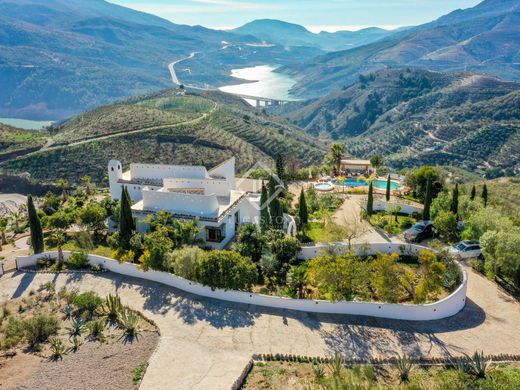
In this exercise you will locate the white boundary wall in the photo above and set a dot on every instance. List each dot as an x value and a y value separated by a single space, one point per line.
380 205
446 307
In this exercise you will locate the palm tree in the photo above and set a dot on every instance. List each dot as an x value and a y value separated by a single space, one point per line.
63 185
297 278
58 236
335 155
17 217
86 181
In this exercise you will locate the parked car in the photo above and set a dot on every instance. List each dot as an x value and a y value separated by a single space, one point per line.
466 250
419 231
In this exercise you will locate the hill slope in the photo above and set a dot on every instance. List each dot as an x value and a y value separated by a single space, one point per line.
289 34
416 116
166 128
482 38
61 57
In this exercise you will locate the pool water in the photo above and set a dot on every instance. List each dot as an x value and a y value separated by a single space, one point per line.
378 183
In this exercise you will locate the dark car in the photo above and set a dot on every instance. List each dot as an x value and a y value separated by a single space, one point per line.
419 231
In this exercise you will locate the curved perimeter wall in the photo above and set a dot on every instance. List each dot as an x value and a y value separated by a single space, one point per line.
446 307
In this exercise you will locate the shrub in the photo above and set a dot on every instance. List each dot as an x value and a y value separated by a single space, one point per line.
88 301
183 262
138 373
78 260
96 329
227 270
39 328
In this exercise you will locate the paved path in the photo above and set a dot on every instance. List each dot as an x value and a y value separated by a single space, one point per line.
206 343
349 214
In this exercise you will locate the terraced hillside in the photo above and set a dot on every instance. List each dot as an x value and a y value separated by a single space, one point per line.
14 141
414 117
166 128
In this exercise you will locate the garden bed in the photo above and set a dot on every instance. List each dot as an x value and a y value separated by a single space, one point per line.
76 262
105 360
289 375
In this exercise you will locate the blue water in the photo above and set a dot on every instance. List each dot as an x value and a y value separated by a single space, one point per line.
378 183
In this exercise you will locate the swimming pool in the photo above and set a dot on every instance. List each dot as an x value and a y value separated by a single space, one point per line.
378 183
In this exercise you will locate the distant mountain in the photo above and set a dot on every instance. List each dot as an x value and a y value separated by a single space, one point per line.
482 38
164 127
60 57
289 34
415 116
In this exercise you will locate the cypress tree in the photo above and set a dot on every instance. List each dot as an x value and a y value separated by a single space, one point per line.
265 218
455 200
473 192
427 200
303 212
370 201
388 187
35 227
126 222
280 168
485 195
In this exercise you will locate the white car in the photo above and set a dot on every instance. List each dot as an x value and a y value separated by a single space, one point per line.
466 249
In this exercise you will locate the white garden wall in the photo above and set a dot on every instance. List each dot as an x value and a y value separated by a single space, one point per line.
441 309
380 205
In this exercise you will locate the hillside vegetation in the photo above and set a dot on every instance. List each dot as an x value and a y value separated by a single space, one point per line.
169 129
14 140
483 38
414 117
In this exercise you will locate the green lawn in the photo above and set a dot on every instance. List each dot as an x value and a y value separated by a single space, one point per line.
389 224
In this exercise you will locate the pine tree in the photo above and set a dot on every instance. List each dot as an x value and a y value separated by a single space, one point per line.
388 187
303 212
370 201
280 166
473 192
35 226
455 200
126 221
265 218
427 200
485 195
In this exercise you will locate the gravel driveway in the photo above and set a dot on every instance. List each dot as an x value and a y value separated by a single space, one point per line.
206 343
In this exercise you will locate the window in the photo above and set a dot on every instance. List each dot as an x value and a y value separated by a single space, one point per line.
215 234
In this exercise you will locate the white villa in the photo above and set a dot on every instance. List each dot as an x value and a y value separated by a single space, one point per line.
188 192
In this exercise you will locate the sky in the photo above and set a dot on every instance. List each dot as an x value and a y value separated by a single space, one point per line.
316 15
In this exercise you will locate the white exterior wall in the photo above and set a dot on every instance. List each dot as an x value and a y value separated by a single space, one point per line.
179 203
380 205
211 186
157 171
115 172
227 170
446 307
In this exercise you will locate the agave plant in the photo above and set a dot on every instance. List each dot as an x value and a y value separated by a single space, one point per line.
130 322
319 371
404 366
96 329
479 365
57 348
77 326
67 310
336 365
111 307
75 343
